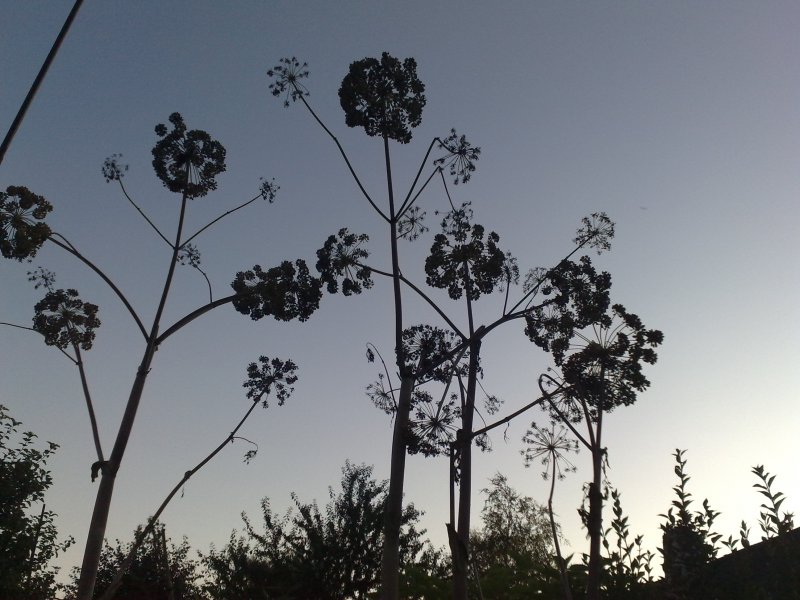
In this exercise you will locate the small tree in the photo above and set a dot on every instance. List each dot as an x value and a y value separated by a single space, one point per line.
321 553
188 163
28 536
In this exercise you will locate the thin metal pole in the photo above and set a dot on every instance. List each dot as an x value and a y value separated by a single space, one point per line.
36 82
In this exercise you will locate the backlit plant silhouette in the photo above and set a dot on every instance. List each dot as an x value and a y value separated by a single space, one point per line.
385 97
188 163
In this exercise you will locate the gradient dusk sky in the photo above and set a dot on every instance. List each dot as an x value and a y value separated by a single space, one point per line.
681 120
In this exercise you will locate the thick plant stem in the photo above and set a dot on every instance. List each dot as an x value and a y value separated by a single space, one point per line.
390 558
595 528
393 513
460 549
97 527
562 565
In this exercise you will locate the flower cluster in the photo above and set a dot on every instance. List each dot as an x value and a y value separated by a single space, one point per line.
596 231
384 96
464 259
285 292
65 320
22 226
269 189
269 373
287 75
187 162
460 157
342 256
113 169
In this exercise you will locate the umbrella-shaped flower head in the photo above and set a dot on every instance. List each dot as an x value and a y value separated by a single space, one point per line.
187 161
65 320
22 226
384 96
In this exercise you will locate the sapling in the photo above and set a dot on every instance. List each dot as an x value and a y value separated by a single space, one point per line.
188 163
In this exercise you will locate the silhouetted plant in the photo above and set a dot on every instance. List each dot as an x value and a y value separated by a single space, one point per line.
188 163
771 522
688 541
599 354
385 97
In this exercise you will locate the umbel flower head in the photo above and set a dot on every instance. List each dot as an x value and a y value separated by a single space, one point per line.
65 320
460 157
286 77
384 96
22 226
187 162
269 374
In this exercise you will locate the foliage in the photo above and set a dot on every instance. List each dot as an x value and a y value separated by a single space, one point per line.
28 536
688 541
329 553
512 553
771 522
160 570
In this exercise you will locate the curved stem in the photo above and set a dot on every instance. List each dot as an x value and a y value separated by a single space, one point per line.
126 563
513 415
64 352
193 315
141 212
422 295
346 159
447 190
66 245
561 415
386 372
410 204
219 218
89 405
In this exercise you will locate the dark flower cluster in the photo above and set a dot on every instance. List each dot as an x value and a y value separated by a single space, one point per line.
341 257
269 373
187 162
460 157
464 259
433 424
65 320
22 226
384 96
410 225
286 79
113 169
605 369
579 296
285 292
426 350
269 189
596 231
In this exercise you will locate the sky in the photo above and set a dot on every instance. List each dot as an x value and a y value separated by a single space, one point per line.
680 120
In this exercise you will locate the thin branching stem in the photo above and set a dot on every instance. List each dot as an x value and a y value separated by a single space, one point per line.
67 245
193 315
114 585
144 216
346 159
564 418
385 370
88 397
406 201
408 207
447 190
64 352
219 218
422 295
513 415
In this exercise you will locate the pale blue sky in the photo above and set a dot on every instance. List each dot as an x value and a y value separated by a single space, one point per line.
680 120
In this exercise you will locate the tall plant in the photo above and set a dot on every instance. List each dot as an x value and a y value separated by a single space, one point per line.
599 366
188 163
